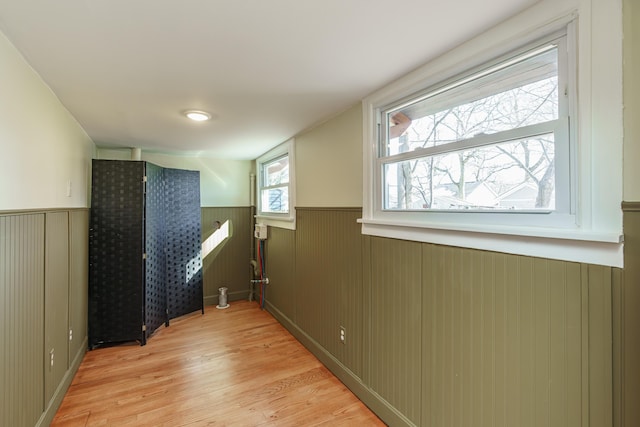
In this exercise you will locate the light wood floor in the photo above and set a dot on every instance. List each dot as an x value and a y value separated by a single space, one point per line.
233 367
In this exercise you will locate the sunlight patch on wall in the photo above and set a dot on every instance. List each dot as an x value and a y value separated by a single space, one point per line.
215 239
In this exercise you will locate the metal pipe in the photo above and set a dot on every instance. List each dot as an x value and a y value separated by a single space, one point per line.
252 190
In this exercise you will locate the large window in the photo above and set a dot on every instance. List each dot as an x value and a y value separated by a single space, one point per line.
510 142
494 140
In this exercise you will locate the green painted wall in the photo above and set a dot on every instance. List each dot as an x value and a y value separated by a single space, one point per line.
22 320
393 324
78 281
627 347
440 336
337 142
223 182
328 281
631 94
43 288
228 264
56 147
626 303
56 300
280 252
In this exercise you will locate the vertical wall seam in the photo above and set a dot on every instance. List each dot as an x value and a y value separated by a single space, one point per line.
493 334
518 335
505 303
422 332
621 349
585 344
69 266
548 303
44 316
565 377
482 343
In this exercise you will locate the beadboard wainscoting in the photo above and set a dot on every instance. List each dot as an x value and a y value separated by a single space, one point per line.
43 298
439 335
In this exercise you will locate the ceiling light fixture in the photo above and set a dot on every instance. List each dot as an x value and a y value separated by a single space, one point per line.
198 115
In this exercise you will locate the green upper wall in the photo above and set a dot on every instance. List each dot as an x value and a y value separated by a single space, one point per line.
329 162
40 159
329 157
43 150
222 182
631 94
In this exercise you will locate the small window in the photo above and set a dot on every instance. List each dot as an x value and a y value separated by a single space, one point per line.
495 140
276 186
274 191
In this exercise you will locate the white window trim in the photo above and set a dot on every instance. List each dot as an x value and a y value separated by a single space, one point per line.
595 234
287 220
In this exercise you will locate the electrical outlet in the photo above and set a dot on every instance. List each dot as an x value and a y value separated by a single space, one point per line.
51 354
343 335
70 334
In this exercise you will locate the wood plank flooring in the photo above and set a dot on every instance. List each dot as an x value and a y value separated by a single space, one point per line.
233 367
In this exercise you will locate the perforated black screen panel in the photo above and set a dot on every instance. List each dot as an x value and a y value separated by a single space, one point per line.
115 252
155 263
184 261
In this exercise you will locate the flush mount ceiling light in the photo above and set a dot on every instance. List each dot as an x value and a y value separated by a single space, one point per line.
197 115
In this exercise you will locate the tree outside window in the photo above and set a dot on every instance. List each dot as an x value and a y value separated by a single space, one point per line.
486 143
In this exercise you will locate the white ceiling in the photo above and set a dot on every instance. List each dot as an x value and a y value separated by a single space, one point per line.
265 69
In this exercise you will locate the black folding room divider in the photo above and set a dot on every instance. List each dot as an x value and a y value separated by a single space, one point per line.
145 264
183 233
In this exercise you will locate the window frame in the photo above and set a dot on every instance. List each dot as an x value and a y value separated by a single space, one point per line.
591 231
277 219
264 166
564 139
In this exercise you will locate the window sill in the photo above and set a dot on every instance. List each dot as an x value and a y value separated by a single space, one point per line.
602 248
287 222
